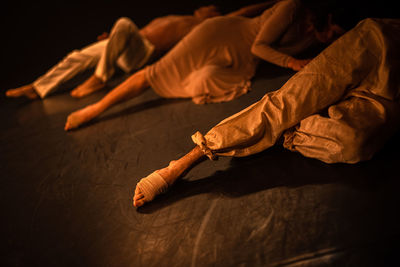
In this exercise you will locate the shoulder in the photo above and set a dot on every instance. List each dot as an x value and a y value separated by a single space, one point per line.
289 4
286 7
388 26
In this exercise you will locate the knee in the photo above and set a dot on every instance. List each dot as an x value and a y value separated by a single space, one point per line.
354 147
124 23
74 54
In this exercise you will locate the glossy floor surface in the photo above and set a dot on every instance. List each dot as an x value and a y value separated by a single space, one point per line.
66 197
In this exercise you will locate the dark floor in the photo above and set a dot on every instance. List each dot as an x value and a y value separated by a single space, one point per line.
65 198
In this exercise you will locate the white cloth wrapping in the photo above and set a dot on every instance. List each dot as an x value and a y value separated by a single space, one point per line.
152 185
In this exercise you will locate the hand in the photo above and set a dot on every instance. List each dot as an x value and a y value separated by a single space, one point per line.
102 36
297 64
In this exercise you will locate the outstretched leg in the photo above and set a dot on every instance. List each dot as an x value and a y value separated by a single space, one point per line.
159 181
130 88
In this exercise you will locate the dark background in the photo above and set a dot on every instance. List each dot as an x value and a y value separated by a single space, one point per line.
36 34
65 198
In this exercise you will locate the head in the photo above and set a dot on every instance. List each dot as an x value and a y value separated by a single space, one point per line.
207 12
328 32
322 17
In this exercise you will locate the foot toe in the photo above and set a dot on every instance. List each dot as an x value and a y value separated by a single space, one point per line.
139 200
68 124
138 203
73 93
148 188
76 93
27 91
9 93
138 197
14 93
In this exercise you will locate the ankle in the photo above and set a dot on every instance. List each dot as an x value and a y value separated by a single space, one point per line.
98 107
170 173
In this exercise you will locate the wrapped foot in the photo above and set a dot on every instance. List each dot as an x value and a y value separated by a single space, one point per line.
148 188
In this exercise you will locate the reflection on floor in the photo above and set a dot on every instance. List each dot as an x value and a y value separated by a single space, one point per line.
66 198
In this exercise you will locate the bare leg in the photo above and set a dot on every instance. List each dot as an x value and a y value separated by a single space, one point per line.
91 85
130 88
26 91
170 173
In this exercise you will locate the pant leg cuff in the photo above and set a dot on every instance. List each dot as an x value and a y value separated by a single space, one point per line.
199 140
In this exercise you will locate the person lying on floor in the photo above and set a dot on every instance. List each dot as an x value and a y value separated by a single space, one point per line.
217 59
127 47
341 108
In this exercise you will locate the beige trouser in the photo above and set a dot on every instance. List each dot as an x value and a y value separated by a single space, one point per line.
125 47
341 107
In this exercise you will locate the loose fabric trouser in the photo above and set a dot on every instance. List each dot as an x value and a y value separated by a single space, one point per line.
341 107
125 47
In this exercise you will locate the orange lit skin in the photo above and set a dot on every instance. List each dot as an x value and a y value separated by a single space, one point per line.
297 64
137 83
26 91
161 33
172 172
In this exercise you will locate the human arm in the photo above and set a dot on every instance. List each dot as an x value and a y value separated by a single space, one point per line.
297 64
273 28
253 10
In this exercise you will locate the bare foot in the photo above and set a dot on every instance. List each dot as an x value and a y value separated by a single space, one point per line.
26 91
81 116
91 85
